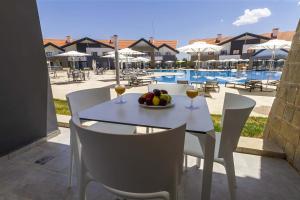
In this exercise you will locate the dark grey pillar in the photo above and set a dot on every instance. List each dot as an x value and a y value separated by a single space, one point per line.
24 77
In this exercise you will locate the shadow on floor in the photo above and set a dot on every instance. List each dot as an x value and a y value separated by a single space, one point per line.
257 177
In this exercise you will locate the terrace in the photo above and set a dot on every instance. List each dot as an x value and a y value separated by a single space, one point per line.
41 132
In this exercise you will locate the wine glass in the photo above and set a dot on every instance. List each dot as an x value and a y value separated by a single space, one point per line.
192 93
120 89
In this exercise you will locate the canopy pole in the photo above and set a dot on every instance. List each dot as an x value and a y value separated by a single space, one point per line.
115 39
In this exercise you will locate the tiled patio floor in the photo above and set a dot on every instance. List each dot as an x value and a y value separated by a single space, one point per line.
257 177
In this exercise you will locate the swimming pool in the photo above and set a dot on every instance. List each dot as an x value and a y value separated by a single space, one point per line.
221 76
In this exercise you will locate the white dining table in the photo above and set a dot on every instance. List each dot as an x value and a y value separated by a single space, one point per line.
198 122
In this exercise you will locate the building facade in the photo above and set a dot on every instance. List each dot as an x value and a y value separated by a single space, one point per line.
155 50
237 46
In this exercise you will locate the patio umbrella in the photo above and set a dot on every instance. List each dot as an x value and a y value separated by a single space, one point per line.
72 55
169 62
140 60
273 45
180 61
199 47
121 57
127 52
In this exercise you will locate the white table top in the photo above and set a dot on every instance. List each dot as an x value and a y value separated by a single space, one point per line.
131 113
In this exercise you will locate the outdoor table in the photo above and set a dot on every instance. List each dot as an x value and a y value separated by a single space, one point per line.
197 121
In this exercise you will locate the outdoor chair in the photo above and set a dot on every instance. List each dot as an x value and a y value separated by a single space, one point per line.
182 82
84 99
273 83
173 89
211 85
134 81
251 84
236 110
134 166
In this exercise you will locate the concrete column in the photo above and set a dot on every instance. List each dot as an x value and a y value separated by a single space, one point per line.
283 125
24 77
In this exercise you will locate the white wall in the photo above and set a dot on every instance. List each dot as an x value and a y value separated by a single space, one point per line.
164 50
72 47
99 51
227 47
52 49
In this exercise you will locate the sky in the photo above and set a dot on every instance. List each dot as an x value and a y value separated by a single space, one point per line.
180 20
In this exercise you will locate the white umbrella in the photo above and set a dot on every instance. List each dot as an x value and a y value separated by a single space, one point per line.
121 57
73 55
273 45
140 59
127 52
199 47
180 61
211 61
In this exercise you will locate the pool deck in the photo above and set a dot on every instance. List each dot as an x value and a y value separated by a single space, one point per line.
61 87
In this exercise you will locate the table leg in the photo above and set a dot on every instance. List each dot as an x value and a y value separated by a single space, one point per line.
208 165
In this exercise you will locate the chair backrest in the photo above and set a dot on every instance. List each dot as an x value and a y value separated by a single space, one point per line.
139 163
173 89
182 82
236 110
212 82
84 99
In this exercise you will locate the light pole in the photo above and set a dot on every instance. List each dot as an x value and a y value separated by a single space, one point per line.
115 40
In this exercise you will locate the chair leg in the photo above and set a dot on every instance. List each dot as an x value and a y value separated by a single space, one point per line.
71 163
198 163
229 166
185 161
83 182
70 170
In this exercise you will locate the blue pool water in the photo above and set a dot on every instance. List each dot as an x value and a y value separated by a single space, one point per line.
221 76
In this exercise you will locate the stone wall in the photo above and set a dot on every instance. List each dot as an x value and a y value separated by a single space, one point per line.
283 125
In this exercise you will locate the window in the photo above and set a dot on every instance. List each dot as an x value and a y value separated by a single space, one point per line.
49 54
250 51
223 52
168 53
94 54
235 52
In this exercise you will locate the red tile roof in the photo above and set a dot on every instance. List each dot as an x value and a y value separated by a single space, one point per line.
286 35
57 42
126 43
122 43
211 40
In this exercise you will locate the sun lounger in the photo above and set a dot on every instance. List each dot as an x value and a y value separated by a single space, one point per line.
134 81
182 82
251 84
273 83
211 85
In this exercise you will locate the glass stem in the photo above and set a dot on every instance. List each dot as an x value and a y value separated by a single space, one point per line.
192 103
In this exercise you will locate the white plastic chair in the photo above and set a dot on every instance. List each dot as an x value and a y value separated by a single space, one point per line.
84 99
236 111
138 166
173 89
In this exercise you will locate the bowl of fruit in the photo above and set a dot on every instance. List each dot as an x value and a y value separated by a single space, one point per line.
156 99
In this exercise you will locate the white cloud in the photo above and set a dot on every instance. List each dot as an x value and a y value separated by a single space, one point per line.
299 3
252 16
221 20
